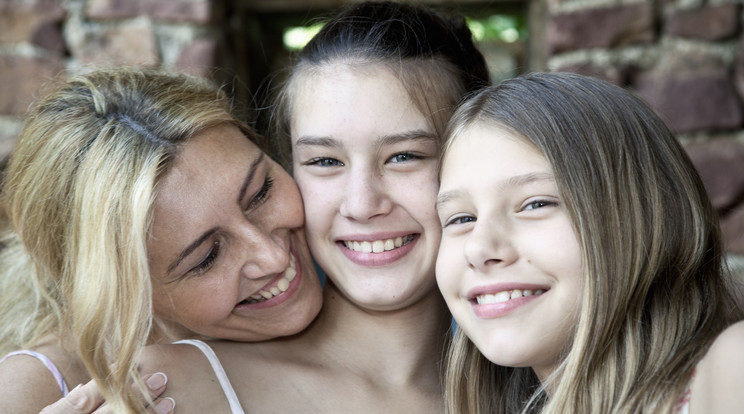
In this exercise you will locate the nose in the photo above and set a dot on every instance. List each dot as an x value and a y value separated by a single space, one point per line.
365 195
264 253
489 245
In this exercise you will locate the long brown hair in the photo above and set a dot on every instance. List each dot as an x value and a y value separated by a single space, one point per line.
656 292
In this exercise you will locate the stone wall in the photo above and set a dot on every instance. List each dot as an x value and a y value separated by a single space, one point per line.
684 57
41 40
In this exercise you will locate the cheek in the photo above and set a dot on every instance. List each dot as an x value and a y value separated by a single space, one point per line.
318 200
289 202
447 271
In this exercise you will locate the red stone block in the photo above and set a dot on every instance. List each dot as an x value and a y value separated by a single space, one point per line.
605 27
35 22
124 45
732 227
708 23
194 11
23 81
693 102
720 163
199 58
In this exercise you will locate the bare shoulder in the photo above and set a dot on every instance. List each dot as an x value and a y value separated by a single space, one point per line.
26 385
720 375
192 382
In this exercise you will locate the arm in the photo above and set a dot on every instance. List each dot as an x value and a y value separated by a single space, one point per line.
26 385
717 387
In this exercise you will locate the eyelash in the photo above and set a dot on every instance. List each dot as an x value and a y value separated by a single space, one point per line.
458 220
262 194
323 162
534 205
208 261
410 157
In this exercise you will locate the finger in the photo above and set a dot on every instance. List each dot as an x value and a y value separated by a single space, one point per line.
164 406
156 384
82 400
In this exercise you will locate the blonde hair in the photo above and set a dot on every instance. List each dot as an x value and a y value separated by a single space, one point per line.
656 291
79 190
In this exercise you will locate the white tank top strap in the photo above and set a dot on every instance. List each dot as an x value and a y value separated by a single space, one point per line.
47 363
219 371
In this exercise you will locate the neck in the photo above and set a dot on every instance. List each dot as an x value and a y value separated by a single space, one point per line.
402 345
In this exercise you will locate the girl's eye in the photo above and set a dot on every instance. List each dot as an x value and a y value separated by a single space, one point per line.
262 194
534 205
325 162
460 220
208 261
403 157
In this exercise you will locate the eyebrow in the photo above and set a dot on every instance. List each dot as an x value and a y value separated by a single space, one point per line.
514 181
209 233
413 135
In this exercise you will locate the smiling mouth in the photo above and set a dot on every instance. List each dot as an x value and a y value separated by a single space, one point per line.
507 295
378 246
279 287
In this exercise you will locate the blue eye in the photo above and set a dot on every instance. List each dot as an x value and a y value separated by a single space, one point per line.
460 220
534 205
325 162
403 157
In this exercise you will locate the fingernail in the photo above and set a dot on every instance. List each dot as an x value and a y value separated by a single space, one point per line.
165 406
156 381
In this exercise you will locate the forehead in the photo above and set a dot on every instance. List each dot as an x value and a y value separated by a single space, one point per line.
492 149
208 170
339 99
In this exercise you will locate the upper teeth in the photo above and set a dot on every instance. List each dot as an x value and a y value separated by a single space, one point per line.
506 295
377 246
281 285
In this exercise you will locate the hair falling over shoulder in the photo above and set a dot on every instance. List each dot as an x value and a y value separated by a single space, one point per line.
78 192
656 291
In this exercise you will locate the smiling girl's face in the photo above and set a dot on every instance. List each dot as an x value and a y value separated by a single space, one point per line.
227 251
509 263
365 159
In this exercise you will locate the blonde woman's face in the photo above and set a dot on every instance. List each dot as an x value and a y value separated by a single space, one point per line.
227 249
509 264
365 160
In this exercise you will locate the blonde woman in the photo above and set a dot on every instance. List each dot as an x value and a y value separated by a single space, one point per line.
142 211
362 117
581 259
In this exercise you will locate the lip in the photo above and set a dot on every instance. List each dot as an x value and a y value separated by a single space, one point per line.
294 285
377 259
496 310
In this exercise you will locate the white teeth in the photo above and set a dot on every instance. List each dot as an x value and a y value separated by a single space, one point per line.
366 247
506 295
281 285
290 274
378 246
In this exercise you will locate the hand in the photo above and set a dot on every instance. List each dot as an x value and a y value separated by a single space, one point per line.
87 399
